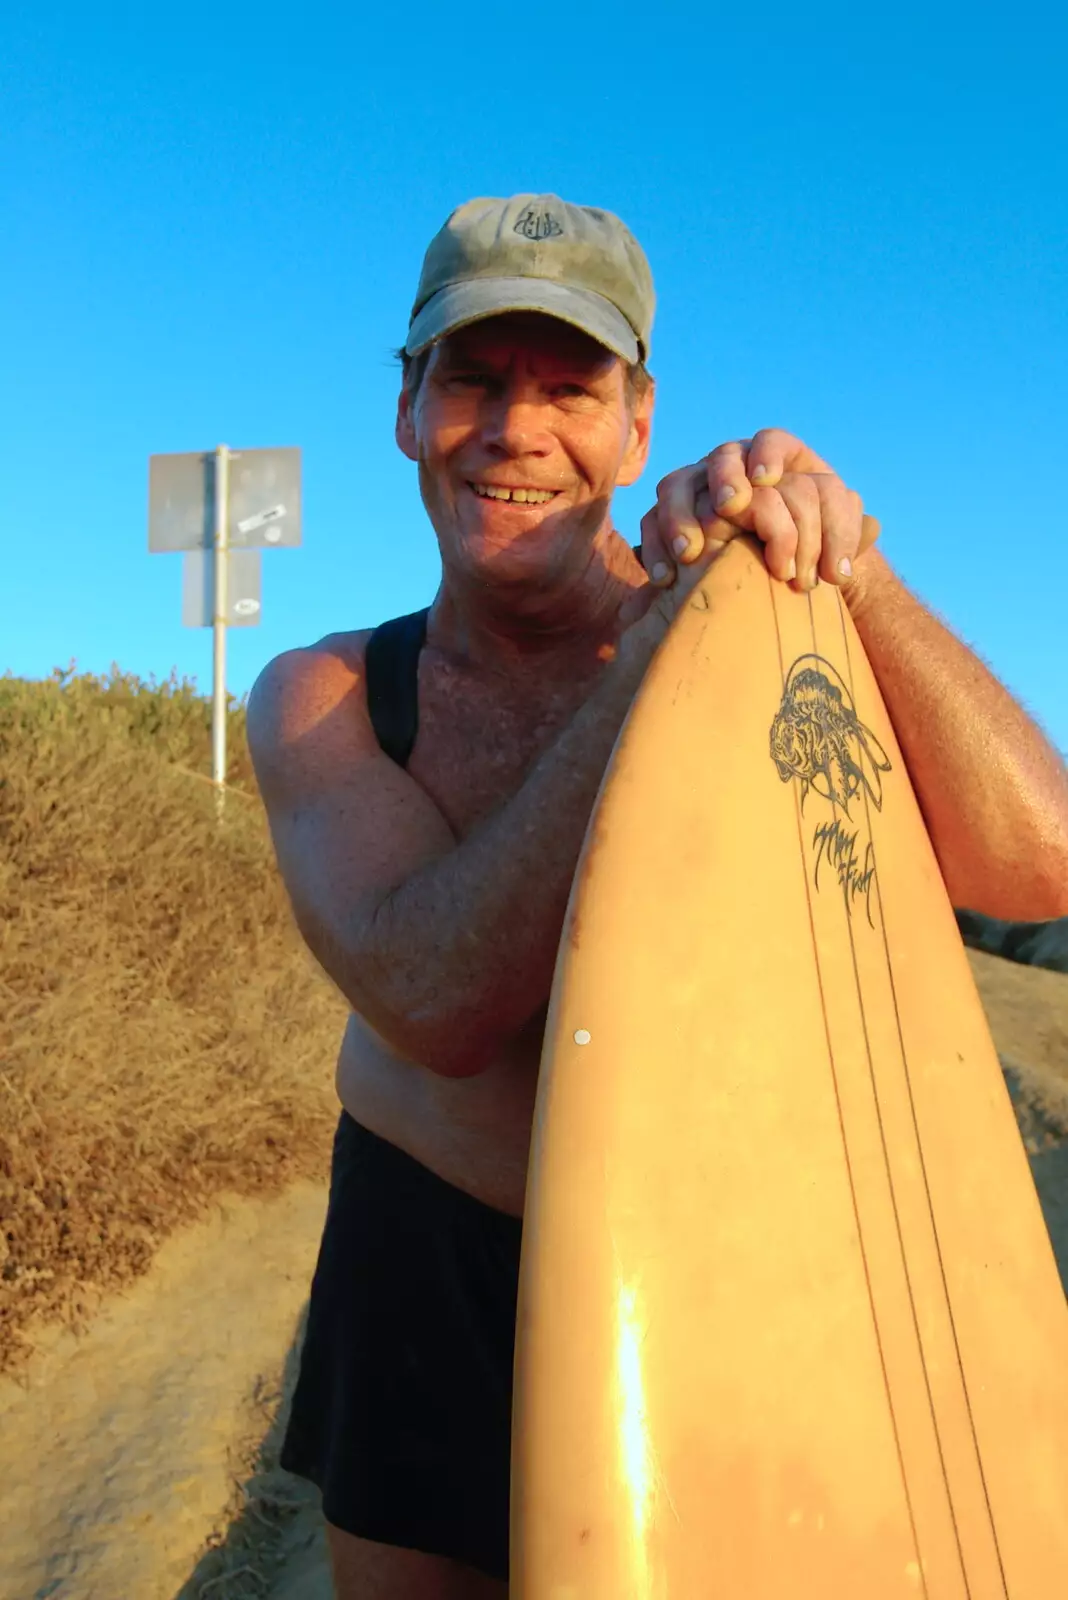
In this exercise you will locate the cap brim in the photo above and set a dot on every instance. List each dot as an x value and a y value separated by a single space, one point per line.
459 304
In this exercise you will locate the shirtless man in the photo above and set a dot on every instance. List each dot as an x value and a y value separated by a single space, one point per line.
428 794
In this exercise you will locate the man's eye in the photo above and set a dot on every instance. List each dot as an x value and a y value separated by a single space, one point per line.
469 380
568 390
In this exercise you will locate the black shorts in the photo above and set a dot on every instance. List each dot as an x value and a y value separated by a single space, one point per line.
403 1406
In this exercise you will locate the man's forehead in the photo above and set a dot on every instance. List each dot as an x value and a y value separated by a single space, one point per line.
528 333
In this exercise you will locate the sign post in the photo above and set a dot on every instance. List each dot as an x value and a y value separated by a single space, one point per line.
221 508
218 657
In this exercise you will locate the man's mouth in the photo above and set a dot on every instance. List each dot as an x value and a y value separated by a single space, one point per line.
520 497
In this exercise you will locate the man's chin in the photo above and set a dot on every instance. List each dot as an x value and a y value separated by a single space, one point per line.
513 543
500 542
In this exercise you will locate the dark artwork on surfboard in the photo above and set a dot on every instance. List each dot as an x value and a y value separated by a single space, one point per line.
817 738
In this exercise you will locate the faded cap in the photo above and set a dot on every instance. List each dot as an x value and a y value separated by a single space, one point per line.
536 252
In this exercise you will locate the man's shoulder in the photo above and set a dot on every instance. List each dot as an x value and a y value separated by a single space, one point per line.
302 687
303 665
347 648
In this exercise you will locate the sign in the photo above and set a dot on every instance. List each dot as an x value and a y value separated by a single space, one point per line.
263 495
220 508
243 590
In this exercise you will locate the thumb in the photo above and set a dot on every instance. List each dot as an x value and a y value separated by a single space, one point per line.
870 529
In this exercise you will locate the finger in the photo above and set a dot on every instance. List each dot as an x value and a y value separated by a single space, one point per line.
770 519
841 510
691 575
655 560
869 532
728 487
765 460
717 532
801 497
773 451
681 535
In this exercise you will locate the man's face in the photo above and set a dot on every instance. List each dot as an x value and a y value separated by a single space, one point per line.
522 430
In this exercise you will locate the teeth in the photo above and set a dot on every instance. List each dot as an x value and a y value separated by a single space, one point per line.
522 497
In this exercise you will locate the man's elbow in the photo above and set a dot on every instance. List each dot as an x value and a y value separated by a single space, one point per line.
449 1046
438 1038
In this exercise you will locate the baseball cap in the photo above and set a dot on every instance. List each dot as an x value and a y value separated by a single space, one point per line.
536 252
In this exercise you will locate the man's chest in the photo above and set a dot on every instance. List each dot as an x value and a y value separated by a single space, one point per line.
478 740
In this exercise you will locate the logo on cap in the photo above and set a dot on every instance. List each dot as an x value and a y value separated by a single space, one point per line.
535 224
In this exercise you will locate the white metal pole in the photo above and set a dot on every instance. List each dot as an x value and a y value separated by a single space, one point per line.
218 687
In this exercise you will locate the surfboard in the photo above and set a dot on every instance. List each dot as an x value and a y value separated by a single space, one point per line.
789 1319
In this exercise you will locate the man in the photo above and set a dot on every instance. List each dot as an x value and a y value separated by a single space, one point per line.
428 788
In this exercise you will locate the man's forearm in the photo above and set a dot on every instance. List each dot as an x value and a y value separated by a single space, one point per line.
497 902
993 791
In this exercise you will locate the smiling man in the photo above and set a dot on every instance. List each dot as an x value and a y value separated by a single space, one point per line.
428 786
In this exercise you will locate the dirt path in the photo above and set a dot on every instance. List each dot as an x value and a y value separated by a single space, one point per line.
124 1450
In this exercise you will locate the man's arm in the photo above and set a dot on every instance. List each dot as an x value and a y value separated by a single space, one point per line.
993 791
445 948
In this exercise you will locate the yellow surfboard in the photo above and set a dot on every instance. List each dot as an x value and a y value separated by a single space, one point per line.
790 1326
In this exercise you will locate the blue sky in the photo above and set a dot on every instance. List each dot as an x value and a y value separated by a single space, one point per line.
214 217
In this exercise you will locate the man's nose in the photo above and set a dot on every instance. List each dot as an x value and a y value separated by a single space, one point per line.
517 423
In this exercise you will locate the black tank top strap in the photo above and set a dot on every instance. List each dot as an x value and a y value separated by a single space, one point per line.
391 665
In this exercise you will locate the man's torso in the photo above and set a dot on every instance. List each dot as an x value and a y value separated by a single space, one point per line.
477 738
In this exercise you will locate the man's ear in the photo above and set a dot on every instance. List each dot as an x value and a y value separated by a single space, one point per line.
404 432
637 452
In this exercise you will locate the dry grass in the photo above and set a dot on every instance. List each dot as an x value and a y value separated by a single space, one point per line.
163 1034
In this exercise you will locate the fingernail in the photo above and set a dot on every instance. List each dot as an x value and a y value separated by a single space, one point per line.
727 492
760 472
845 567
714 546
791 569
680 545
661 572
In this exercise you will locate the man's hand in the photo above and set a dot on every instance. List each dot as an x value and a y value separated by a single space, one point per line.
772 486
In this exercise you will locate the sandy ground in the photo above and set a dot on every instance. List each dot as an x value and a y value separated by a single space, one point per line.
139 1459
